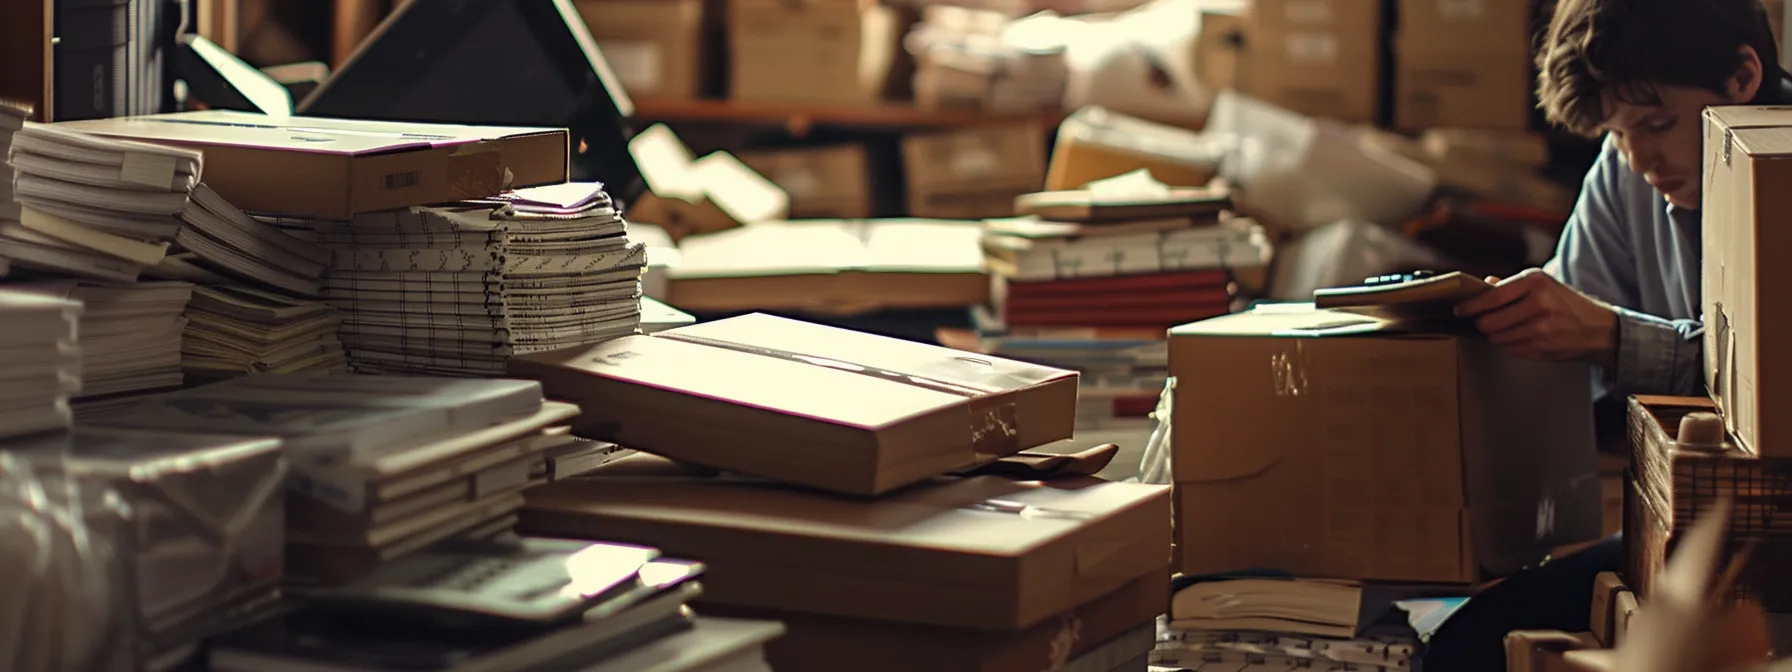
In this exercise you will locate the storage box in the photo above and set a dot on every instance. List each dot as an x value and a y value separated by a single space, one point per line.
828 51
823 182
1330 444
973 173
1747 202
1095 144
979 553
1468 89
655 47
1318 57
1484 26
336 168
802 403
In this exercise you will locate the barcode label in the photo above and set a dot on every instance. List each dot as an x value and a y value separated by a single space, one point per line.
403 180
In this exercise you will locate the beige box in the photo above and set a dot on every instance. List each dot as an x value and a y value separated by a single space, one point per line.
823 182
1320 58
1462 89
973 173
655 47
1095 143
1338 445
828 51
1476 26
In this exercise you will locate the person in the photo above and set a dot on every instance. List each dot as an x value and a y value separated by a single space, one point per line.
1622 292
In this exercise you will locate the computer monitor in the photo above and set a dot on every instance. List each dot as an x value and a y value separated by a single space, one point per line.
491 62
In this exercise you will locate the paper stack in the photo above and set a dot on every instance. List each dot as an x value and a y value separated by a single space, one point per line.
130 337
458 290
381 466
39 362
11 120
232 331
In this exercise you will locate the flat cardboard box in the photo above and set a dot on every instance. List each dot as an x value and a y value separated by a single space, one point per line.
973 173
687 196
1345 446
1320 58
832 182
827 644
1480 26
1462 89
802 403
1747 200
832 267
336 168
979 553
1095 144
655 47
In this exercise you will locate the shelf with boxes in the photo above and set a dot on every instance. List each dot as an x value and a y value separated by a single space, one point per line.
800 116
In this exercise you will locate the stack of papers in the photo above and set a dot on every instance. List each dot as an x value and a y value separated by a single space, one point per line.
11 120
39 362
458 290
130 336
233 331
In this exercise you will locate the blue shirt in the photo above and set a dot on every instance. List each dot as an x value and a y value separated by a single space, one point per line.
1627 246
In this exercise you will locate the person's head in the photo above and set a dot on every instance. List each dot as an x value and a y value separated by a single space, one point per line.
1644 70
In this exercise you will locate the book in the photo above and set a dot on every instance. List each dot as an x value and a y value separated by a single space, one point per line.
40 365
1310 607
130 336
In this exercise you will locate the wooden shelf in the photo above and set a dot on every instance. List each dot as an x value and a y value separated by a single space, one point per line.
805 115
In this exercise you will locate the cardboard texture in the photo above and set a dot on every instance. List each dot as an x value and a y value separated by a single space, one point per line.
1433 456
687 196
973 173
655 47
1317 57
831 51
1467 89
825 644
981 553
823 182
802 403
832 267
1095 144
1484 26
1748 169
336 168
1542 650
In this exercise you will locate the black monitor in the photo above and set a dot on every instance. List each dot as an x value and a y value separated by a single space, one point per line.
491 62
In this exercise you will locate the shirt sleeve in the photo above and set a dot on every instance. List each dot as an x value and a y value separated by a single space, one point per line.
1595 255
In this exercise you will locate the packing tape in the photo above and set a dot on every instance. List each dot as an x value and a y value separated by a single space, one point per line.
994 424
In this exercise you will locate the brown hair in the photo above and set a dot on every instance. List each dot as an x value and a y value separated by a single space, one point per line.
1597 51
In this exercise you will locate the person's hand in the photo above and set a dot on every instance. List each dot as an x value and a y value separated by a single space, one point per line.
1533 315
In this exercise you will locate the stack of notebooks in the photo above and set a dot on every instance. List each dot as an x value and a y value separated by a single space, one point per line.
130 337
40 363
458 290
1282 623
11 120
381 466
236 330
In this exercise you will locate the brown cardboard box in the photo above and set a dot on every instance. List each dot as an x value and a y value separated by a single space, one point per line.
981 553
1465 89
1219 48
828 51
1748 189
1522 148
1095 144
655 47
802 403
1606 587
832 267
973 173
335 168
1320 58
688 196
826 644
1541 650
1484 26
1341 445
823 182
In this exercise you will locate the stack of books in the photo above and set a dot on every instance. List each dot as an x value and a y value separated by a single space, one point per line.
235 330
11 120
381 466
40 363
1291 623
130 337
459 290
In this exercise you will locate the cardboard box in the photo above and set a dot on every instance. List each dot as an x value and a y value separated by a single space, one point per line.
823 182
655 47
1095 144
336 168
1606 587
1523 148
833 267
1467 89
1320 58
1480 26
802 403
1220 48
1541 650
979 553
973 173
827 643
687 196
1748 199
1346 446
830 51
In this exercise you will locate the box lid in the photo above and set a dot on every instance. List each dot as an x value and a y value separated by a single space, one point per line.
1303 320
984 552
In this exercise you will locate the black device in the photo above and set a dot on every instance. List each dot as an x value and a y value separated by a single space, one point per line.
491 62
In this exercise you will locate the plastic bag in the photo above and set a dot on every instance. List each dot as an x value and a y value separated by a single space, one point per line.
1154 467
63 605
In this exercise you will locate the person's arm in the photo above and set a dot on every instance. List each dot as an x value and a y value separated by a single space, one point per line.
1654 355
